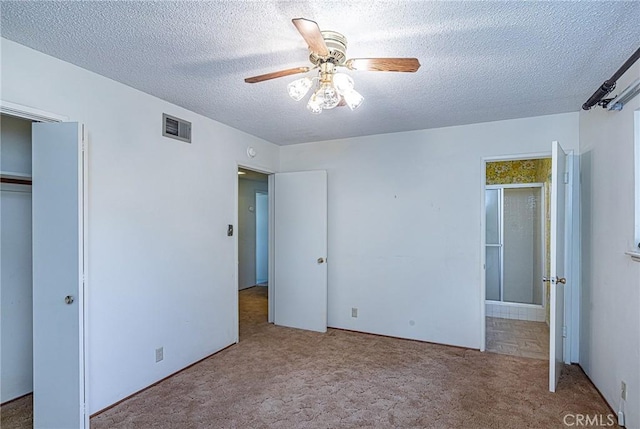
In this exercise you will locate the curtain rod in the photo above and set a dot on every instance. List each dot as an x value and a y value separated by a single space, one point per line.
609 85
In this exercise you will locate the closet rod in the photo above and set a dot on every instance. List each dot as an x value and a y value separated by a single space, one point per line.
15 181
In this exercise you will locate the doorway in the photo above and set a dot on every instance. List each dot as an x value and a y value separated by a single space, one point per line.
295 294
253 251
516 254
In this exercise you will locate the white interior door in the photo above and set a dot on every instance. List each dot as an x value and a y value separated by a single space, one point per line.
58 265
300 240
556 304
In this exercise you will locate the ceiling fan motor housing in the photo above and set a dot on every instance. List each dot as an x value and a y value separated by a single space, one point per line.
337 46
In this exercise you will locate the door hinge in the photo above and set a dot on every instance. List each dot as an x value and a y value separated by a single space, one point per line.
566 178
564 332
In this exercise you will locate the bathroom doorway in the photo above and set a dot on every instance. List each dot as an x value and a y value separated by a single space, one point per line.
517 257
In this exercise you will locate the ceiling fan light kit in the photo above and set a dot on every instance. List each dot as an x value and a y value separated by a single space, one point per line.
331 90
327 52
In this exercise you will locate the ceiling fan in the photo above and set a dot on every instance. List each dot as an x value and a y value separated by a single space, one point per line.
328 53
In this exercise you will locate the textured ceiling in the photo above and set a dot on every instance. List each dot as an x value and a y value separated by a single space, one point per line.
481 61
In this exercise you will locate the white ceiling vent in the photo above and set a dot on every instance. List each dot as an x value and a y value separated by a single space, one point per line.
176 128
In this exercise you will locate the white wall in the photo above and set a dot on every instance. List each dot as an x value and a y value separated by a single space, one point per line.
610 323
16 288
162 271
404 222
247 230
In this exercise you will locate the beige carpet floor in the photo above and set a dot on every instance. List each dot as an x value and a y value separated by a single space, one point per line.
286 378
17 414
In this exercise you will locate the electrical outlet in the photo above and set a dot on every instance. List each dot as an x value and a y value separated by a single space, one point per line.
623 390
159 354
354 312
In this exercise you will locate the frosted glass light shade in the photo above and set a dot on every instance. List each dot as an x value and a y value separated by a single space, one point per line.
299 88
315 104
343 83
329 96
353 99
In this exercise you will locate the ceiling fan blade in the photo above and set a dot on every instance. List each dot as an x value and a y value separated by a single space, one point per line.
384 64
311 34
275 75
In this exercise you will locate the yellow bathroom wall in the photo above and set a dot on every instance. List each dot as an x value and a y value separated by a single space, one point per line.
510 172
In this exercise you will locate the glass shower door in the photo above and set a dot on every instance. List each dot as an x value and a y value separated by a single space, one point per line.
522 233
514 245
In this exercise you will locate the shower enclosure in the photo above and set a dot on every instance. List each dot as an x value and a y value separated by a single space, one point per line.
515 251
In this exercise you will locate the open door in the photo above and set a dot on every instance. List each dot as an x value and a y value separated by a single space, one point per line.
58 199
556 304
300 240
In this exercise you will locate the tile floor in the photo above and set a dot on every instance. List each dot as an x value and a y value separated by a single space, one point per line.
518 338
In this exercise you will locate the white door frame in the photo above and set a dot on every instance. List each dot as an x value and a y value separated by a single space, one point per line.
35 114
271 288
572 291
31 113
483 238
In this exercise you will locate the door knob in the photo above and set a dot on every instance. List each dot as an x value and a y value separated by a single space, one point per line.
68 299
561 280
320 260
